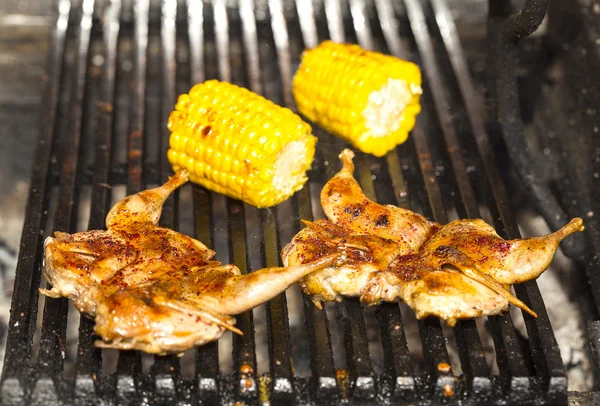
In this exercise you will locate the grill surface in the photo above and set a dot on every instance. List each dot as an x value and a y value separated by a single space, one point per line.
114 72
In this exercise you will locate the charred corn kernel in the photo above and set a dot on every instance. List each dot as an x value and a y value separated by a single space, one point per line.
240 144
369 99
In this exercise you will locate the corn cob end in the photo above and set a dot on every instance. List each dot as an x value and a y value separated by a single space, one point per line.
291 165
385 116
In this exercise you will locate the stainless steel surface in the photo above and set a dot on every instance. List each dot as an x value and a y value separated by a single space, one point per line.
25 35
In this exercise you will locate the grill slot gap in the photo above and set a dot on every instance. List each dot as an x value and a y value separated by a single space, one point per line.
53 339
207 356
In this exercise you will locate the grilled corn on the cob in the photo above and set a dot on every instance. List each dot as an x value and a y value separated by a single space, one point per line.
240 144
367 98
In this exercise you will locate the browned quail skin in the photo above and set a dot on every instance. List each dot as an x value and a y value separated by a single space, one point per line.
153 289
460 270
346 205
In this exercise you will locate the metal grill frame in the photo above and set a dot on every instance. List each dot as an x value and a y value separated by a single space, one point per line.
531 371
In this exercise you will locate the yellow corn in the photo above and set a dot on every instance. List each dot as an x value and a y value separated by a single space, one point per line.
240 144
369 99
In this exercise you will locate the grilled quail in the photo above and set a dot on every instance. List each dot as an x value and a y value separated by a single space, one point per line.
460 270
150 288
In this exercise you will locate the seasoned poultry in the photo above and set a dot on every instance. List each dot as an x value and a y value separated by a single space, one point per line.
345 204
460 270
151 288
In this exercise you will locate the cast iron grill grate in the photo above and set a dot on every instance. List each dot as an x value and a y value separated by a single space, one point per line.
114 72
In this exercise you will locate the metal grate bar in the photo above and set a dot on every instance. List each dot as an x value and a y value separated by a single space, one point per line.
281 39
362 384
168 97
167 101
398 361
207 357
466 332
542 344
397 356
222 38
165 373
441 102
358 359
435 355
54 321
434 347
165 370
24 302
472 358
88 370
510 362
357 350
469 345
220 27
544 348
323 370
129 370
135 148
333 12
277 320
419 28
251 45
281 386
306 15
390 28
195 21
514 365
390 316
361 24
472 99
129 366
244 353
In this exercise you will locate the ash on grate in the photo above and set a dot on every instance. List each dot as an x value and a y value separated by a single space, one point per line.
568 322
11 223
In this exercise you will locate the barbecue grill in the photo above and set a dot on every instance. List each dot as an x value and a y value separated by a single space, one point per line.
115 69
